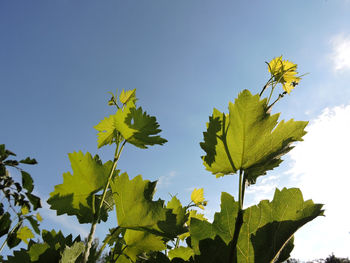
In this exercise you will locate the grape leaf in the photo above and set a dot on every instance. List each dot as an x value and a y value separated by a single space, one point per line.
254 143
5 223
223 224
181 252
136 127
74 196
24 234
127 95
70 254
267 228
134 205
141 241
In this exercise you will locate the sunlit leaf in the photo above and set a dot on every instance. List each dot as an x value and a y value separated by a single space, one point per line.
70 254
127 95
135 126
134 204
24 234
74 196
197 197
181 252
255 143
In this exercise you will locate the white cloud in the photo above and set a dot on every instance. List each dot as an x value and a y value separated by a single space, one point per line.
321 170
165 180
341 52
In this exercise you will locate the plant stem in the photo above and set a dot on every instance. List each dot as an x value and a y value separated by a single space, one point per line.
98 211
106 241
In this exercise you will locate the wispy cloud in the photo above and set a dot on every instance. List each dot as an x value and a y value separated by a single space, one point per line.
320 169
341 52
165 180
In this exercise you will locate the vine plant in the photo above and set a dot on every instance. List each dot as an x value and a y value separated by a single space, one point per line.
247 141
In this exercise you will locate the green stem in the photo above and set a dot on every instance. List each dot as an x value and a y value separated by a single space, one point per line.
106 241
280 96
177 243
97 214
239 219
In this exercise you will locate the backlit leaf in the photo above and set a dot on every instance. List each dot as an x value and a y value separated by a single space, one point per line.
74 196
135 126
24 234
70 254
128 95
181 252
254 143
134 205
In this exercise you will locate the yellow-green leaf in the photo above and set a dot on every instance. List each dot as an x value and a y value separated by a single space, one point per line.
125 96
24 234
248 138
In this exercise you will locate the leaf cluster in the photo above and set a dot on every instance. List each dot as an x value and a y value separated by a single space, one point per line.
21 202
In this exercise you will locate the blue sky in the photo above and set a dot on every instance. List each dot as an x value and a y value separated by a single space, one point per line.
59 59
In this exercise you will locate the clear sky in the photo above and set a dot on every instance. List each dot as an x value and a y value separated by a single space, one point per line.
58 60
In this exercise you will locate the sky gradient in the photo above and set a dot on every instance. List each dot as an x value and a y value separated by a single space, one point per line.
59 59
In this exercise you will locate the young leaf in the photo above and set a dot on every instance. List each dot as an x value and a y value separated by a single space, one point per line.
128 95
197 197
74 196
24 234
136 126
248 138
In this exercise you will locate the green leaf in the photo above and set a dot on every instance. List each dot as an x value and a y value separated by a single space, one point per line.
28 161
138 242
285 253
134 205
269 226
70 254
248 138
141 129
5 223
24 234
107 132
213 250
75 195
27 181
266 231
175 205
36 250
34 200
128 95
12 239
223 224
136 127
34 223
181 252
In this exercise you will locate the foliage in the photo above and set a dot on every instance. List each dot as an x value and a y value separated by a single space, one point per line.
21 202
247 141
